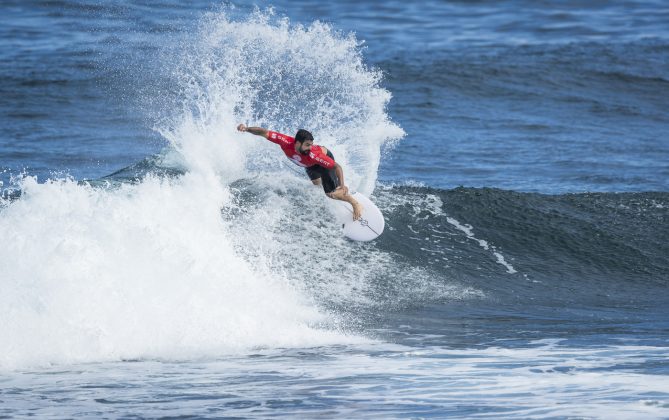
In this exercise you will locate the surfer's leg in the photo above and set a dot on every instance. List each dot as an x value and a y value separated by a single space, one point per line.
330 185
314 175
328 178
339 195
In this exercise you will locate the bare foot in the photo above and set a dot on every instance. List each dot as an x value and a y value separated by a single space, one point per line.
357 210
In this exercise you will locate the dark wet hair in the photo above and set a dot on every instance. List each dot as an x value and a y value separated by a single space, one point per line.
303 135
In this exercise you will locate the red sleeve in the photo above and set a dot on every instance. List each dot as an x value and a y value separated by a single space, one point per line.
280 139
322 159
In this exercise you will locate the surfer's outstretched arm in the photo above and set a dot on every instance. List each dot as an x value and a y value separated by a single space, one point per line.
258 131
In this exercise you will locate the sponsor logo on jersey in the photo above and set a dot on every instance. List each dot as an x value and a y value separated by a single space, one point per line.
319 159
298 160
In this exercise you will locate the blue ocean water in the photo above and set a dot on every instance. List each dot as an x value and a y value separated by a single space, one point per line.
157 263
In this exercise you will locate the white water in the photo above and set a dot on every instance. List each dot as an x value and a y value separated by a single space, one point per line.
153 269
142 271
543 380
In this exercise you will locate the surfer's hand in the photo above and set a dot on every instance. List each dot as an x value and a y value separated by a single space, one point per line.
344 188
241 127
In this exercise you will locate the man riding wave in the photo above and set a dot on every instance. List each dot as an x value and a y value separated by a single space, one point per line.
318 162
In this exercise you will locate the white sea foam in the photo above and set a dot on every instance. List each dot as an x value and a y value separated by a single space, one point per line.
264 71
143 270
543 380
153 269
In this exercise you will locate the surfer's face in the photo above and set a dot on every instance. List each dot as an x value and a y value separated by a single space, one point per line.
305 147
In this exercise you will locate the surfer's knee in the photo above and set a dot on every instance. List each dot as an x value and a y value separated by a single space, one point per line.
336 194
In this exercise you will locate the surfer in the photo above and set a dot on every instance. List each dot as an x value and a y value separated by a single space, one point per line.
318 162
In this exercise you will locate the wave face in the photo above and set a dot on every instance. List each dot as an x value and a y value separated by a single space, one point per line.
182 265
496 238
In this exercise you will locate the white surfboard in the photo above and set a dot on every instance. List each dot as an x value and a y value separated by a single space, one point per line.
368 227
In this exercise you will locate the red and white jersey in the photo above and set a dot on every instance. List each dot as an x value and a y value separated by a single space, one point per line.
316 155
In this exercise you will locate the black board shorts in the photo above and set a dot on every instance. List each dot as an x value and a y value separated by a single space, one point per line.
328 177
